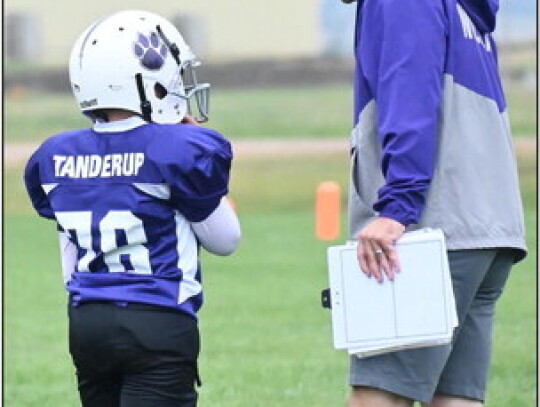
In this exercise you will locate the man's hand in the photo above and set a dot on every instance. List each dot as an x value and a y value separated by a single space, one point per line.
376 248
189 120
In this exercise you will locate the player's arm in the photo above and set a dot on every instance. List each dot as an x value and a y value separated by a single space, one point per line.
34 187
196 165
220 232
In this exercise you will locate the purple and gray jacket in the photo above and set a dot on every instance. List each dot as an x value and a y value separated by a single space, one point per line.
431 146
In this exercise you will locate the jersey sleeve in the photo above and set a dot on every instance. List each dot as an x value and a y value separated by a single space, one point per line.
195 163
34 186
404 65
220 232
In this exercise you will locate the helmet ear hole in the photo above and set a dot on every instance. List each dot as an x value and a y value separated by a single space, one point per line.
160 91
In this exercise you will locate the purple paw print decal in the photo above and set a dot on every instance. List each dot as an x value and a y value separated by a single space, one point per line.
150 50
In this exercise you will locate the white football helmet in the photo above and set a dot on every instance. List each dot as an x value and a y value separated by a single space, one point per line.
136 61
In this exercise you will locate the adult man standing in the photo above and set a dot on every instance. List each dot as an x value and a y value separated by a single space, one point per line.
432 148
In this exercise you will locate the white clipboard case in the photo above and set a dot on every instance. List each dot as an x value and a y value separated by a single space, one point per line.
416 309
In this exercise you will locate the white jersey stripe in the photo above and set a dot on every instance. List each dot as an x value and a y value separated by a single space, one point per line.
48 187
160 191
187 258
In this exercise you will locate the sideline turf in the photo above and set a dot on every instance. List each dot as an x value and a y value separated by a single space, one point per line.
266 341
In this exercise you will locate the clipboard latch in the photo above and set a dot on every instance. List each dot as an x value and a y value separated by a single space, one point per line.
326 300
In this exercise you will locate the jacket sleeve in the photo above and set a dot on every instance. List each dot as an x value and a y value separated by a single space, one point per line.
402 52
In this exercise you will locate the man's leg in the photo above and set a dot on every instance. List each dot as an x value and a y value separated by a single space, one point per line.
369 397
415 374
449 401
464 378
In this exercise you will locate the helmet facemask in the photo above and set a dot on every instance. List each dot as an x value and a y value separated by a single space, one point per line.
185 84
195 90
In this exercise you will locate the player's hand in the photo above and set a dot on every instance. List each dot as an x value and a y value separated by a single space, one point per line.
188 119
376 248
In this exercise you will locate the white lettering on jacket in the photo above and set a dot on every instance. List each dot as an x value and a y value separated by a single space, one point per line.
471 32
94 166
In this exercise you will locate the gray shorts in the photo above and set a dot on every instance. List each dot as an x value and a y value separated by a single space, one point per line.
459 369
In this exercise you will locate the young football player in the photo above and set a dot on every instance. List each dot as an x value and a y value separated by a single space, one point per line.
134 198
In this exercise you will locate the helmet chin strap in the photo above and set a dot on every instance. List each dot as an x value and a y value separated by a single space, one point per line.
146 107
175 52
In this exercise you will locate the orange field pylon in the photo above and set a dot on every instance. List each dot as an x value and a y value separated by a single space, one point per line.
328 211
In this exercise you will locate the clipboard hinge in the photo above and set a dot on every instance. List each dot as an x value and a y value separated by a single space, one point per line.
326 299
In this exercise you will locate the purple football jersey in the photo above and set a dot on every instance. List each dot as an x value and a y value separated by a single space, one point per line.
126 199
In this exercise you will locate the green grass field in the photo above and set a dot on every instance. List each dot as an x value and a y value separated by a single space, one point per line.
243 114
266 340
